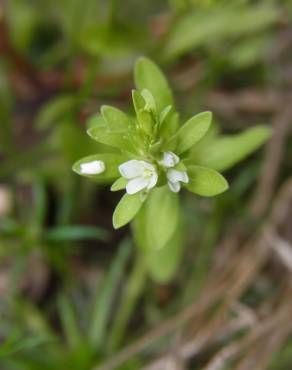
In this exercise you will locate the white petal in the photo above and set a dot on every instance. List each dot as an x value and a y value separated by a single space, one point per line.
185 177
174 186
92 168
174 176
147 166
152 181
136 185
131 169
169 159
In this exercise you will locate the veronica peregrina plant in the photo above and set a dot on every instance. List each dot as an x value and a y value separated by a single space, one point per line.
153 155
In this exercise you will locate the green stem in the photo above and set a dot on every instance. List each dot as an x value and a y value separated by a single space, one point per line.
133 290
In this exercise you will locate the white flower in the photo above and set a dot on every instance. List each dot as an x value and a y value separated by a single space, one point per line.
175 177
169 159
141 175
92 168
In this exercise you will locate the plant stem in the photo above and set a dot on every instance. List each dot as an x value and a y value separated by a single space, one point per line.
132 293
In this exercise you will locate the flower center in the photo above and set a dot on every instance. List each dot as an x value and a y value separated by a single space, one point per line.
147 172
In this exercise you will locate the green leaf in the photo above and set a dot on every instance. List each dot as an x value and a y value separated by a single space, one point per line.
126 209
111 161
114 139
191 132
205 181
115 118
75 232
162 264
226 151
149 99
149 76
96 120
119 184
169 125
164 114
157 220
158 232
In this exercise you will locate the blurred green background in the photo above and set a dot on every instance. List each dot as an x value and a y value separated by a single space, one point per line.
63 270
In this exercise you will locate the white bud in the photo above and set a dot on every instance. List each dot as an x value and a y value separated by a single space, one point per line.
169 160
92 168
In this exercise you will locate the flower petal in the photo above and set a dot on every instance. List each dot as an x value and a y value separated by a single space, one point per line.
174 186
92 168
174 176
131 169
147 166
152 181
169 159
136 185
185 178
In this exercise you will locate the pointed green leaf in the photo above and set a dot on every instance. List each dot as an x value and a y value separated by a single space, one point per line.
191 132
95 121
111 162
126 209
224 152
115 118
169 127
149 76
119 184
205 181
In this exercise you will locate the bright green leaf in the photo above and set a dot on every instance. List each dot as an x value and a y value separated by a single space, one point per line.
96 120
205 181
114 139
149 76
115 118
126 209
191 132
169 126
